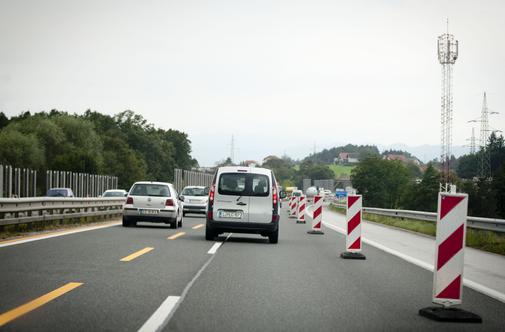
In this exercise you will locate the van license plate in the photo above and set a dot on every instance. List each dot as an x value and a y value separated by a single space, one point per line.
149 211
230 214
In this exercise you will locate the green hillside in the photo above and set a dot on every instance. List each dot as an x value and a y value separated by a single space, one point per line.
341 170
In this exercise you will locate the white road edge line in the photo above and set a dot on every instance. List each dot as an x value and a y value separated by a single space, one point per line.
63 233
216 246
469 283
158 317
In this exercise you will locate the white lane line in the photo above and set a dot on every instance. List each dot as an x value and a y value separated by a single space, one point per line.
216 246
156 320
161 317
51 235
469 283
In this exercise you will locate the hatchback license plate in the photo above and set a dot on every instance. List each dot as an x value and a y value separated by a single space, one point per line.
149 211
230 214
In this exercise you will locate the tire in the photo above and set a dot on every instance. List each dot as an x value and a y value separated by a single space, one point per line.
180 221
210 235
274 237
184 214
126 222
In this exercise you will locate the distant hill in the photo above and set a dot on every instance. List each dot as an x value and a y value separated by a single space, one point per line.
328 156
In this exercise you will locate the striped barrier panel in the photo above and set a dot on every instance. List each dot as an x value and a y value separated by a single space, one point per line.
353 234
449 260
301 210
317 216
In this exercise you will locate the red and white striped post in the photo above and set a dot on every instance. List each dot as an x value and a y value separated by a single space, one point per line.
353 236
449 260
293 207
301 210
317 215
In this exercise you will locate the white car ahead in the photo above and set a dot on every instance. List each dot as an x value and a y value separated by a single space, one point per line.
154 202
194 199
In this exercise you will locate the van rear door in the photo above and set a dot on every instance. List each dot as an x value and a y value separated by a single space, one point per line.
231 200
260 202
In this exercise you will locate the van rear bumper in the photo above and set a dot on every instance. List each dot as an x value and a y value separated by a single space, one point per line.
242 227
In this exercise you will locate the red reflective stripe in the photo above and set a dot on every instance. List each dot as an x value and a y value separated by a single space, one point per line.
351 200
353 222
318 225
452 291
448 203
316 199
317 212
356 244
302 207
450 247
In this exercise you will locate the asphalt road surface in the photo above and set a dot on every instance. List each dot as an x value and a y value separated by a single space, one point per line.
180 282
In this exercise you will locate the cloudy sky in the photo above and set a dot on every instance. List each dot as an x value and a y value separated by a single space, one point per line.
281 76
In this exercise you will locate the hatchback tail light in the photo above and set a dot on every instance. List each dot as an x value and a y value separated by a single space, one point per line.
169 202
129 200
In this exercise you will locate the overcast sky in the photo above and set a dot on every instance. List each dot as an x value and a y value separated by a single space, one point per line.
279 75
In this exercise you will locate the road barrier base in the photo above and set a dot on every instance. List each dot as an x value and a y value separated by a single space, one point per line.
315 232
441 314
352 255
300 221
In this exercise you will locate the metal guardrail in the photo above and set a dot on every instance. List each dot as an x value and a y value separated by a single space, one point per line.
26 210
489 224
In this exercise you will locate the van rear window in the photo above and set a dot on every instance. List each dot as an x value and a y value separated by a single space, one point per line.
243 184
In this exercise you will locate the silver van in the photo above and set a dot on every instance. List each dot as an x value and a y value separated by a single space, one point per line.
243 200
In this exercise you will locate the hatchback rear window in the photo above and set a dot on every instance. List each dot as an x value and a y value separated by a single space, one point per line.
240 184
195 191
157 190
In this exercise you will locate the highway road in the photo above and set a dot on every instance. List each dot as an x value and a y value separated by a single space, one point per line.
126 279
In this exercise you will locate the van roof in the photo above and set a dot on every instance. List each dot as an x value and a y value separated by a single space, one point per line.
245 169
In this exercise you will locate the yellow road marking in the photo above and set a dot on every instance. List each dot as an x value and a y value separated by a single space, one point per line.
136 254
198 226
38 302
176 235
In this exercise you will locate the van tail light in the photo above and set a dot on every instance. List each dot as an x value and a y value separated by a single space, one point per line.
211 194
169 202
275 203
129 200
210 206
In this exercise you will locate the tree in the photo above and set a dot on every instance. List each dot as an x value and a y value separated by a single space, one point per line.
382 182
20 150
424 196
4 121
499 189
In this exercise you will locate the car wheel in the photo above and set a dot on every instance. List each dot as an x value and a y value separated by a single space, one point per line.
210 235
180 221
274 237
126 222
174 223
184 214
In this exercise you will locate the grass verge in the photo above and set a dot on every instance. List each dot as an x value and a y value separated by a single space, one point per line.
479 239
10 231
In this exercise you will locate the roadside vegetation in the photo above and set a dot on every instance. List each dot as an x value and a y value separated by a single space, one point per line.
124 145
12 231
478 239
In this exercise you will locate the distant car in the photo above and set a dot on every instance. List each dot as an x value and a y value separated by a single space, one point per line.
297 193
114 193
60 192
243 200
194 199
154 202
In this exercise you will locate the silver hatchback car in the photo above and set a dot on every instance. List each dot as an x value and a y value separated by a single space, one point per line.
195 199
154 202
